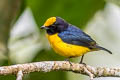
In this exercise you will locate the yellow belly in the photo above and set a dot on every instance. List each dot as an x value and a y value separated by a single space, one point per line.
64 49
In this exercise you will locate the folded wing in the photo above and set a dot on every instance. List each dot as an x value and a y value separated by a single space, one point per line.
75 36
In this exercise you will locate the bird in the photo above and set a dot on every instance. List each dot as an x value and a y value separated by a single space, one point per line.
68 40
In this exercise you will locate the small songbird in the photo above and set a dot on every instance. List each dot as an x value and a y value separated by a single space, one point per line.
67 40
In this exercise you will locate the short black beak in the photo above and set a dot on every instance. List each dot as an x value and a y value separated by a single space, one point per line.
43 27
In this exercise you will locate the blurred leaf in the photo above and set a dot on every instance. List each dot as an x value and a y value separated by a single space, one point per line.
9 10
7 77
77 12
117 2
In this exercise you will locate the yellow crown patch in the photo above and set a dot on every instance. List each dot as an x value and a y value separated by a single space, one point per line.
50 21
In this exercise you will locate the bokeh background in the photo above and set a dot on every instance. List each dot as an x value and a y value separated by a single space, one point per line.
22 41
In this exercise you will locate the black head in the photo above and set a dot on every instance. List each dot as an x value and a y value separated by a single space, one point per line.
55 25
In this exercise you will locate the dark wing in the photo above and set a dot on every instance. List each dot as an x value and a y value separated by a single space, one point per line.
74 35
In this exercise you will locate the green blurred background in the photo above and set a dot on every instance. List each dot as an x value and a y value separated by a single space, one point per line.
22 41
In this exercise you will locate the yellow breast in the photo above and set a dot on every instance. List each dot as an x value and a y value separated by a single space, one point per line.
64 49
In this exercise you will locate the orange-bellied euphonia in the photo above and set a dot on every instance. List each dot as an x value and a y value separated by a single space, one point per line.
68 40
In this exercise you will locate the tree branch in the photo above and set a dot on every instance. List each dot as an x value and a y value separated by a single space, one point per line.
47 66
19 75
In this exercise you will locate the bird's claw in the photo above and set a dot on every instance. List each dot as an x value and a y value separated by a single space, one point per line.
83 63
68 61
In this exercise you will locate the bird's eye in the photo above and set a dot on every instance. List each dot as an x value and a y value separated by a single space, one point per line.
52 26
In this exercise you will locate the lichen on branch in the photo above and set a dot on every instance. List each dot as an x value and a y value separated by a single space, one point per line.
47 66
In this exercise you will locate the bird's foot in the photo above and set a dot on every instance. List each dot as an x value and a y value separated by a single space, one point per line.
82 63
68 61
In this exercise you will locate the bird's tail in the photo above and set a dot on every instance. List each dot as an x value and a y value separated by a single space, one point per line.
101 48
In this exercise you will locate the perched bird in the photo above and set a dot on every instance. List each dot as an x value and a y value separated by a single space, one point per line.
67 40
